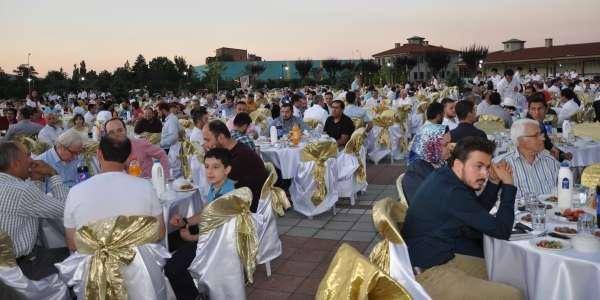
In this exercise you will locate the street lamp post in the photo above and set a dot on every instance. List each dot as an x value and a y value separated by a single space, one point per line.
28 74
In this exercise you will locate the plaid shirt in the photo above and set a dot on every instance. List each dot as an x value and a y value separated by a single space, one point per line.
242 138
22 204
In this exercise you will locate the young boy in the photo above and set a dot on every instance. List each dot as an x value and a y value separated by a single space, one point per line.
241 122
217 163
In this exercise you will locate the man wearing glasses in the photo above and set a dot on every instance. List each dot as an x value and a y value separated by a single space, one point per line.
64 156
535 170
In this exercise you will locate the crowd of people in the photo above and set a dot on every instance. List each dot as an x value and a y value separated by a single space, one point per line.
444 226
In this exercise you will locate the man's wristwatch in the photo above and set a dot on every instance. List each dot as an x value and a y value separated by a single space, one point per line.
185 221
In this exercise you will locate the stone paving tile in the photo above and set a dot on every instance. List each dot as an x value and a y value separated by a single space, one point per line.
346 217
364 227
302 231
366 218
359 236
297 268
280 282
320 244
312 223
298 296
309 286
330 234
338 225
311 255
320 271
357 211
292 241
267 295
282 229
288 221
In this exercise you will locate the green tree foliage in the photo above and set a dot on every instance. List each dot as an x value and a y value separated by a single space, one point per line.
303 67
437 61
332 66
471 56
254 70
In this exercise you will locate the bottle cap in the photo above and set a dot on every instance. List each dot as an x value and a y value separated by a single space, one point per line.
565 163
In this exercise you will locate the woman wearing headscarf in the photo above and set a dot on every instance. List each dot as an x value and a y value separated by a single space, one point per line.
428 152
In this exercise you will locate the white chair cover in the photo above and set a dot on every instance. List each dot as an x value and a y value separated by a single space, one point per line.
304 184
269 244
199 177
51 287
174 160
347 164
52 233
401 271
376 151
217 263
143 278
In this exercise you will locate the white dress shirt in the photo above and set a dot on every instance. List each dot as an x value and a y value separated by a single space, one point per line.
507 89
316 112
451 123
170 132
196 136
49 134
568 110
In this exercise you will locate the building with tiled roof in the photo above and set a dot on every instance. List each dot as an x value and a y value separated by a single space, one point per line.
549 60
417 47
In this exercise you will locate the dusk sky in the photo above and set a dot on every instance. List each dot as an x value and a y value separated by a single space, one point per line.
59 33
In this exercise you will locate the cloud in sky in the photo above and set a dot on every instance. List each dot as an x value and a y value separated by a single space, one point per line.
105 33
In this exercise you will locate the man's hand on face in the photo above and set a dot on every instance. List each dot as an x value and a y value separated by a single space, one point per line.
503 171
39 170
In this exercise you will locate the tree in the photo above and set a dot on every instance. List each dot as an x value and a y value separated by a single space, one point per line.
180 64
332 66
24 71
212 75
163 74
303 67
82 69
472 55
317 73
437 61
348 66
140 70
56 81
254 70
104 81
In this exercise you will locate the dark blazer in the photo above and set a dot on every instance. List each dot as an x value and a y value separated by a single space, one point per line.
464 130
415 174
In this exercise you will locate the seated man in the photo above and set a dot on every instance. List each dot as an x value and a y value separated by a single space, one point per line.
495 109
353 111
434 114
111 193
24 124
338 125
49 133
241 107
200 119
286 120
465 110
238 133
247 168
446 219
64 157
535 170
23 204
316 111
536 110
144 152
148 122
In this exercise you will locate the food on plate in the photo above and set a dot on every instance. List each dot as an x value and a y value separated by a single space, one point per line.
551 199
186 186
597 233
564 229
549 206
571 214
527 218
549 244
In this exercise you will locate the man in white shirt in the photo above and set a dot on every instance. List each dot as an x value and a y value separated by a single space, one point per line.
569 106
317 111
111 193
555 88
508 87
299 104
51 131
495 78
169 135
450 118
200 118
535 77
478 78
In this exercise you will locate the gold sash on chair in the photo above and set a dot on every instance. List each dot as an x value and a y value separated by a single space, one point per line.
319 153
490 124
187 149
311 123
385 120
590 177
235 204
87 154
401 118
7 256
552 118
261 117
388 217
32 144
358 122
422 109
352 277
279 200
111 244
185 123
353 147
151 137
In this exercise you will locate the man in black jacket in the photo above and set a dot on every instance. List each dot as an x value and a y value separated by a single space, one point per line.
465 110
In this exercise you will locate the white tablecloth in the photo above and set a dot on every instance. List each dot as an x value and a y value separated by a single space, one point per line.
185 204
286 159
585 153
541 274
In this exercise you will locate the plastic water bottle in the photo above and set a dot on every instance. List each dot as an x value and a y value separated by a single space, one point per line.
83 173
566 130
565 185
158 177
273 134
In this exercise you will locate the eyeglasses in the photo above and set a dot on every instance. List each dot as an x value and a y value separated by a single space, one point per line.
537 135
72 152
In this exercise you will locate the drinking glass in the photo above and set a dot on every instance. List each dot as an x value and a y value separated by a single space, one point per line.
585 224
538 217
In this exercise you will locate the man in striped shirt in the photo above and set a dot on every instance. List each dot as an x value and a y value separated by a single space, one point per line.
535 170
22 204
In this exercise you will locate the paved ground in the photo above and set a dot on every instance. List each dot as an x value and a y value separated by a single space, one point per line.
309 245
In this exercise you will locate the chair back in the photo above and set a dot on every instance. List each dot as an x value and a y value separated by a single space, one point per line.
353 147
590 177
319 153
32 144
15 285
351 276
311 123
385 120
490 124
358 123
401 194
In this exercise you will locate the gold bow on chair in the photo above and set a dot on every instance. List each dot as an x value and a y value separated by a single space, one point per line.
388 217
185 123
279 200
187 149
151 137
111 244
7 256
261 116
379 109
590 177
401 118
490 124
32 144
235 204
87 154
358 122
311 123
422 109
385 120
353 147
352 277
319 153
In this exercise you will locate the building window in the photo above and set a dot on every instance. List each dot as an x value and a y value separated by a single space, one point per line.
421 75
416 75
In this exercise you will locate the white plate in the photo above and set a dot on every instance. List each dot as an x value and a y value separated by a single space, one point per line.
194 188
565 234
545 198
566 244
